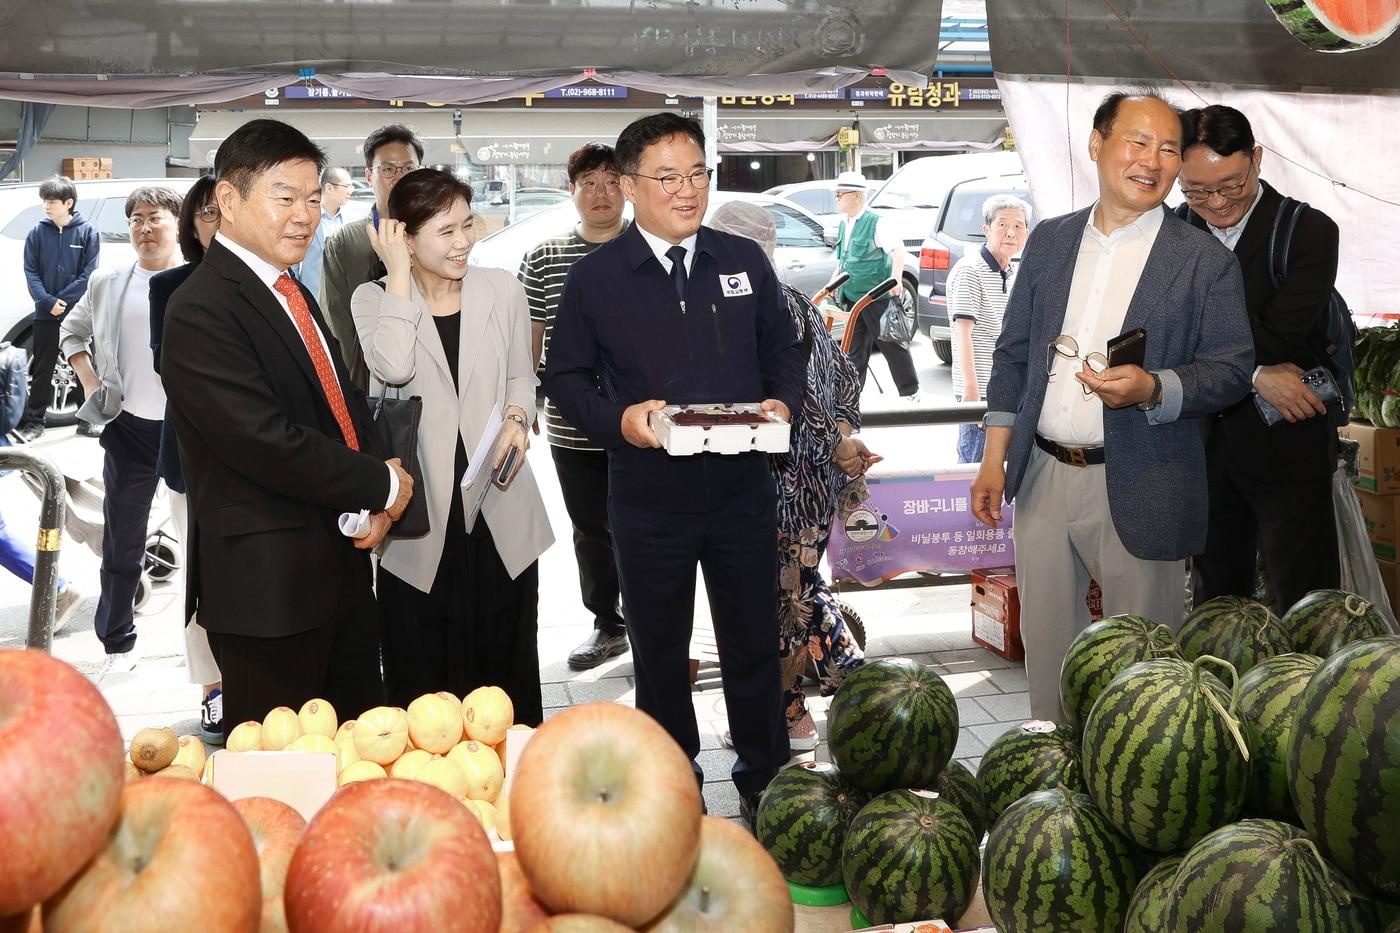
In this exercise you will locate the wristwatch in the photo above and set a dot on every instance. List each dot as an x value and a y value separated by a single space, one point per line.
517 418
1155 398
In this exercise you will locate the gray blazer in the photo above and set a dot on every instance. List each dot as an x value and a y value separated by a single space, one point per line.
1190 300
93 326
402 348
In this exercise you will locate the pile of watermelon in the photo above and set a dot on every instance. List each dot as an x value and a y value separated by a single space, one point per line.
1241 775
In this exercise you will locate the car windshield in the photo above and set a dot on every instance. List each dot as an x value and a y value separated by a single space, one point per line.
963 219
905 189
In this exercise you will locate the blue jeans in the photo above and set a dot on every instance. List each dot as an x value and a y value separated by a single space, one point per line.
971 439
18 557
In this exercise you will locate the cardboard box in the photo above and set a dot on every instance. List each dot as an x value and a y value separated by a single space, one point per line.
996 614
1389 578
1378 459
1382 515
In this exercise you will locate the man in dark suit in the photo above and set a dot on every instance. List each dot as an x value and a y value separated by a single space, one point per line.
277 447
674 312
1105 462
1270 487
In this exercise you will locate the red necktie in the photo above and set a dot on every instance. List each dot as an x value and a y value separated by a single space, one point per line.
287 288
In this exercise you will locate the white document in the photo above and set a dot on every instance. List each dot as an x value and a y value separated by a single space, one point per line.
476 482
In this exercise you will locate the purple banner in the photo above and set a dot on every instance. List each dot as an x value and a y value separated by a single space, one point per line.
916 522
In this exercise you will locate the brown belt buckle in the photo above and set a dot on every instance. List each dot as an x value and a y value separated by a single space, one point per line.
1076 456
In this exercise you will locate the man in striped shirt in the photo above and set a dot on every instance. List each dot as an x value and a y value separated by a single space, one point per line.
978 288
581 464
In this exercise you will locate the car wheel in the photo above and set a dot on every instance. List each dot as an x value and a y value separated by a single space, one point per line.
67 391
944 350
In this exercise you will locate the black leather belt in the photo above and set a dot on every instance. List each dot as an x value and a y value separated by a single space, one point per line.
1074 456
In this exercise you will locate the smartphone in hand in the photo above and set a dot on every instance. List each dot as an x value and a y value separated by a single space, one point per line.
1129 348
508 467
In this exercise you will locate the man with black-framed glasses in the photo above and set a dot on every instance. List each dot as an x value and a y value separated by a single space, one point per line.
673 312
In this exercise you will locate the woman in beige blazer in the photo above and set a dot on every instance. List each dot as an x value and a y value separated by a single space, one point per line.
459 605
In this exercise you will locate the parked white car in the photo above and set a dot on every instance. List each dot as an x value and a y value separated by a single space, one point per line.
912 196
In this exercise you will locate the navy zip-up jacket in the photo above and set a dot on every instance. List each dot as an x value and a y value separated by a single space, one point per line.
621 336
57 263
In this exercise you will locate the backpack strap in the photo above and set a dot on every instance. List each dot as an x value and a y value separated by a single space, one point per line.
1285 222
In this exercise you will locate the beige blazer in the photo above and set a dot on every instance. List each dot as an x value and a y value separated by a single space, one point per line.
402 348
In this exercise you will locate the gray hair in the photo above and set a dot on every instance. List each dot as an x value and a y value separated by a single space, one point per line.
1005 202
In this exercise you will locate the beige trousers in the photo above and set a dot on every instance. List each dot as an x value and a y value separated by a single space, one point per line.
204 670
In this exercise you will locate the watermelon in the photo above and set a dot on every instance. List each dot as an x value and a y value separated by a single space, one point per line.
1164 756
1338 25
1147 909
802 821
1100 652
1344 762
958 786
910 855
1262 876
1233 629
1036 755
1268 701
892 724
1324 620
1054 862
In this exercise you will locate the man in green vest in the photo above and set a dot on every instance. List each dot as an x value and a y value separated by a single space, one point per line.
871 253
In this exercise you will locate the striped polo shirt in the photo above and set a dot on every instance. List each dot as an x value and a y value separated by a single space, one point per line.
543 272
978 291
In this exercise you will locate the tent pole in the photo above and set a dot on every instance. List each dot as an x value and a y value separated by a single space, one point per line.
710 124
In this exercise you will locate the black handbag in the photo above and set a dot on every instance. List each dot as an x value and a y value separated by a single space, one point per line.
396 419
899 321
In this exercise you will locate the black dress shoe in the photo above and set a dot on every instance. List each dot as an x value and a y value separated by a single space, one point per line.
598 648
748 809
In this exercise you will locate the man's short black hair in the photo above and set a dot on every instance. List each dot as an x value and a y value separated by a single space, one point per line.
1108 110
257 146
591 157
1223 130
643 132
392 133
59 188
154 196
200 194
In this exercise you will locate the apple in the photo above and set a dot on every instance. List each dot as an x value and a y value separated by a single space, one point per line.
276 830
62 771
179 858
393 855
736 885
579 923
605 814
519 909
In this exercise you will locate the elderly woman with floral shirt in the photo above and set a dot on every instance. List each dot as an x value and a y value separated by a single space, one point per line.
822 458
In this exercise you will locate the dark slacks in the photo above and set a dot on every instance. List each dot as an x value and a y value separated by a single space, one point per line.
656 554
899 359
583 480
338 662
129 483
43 353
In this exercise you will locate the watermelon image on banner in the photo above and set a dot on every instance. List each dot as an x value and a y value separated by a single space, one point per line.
1338 25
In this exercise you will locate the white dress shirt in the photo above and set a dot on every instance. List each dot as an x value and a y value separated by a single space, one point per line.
267 273
1230 236
1106 274
660 246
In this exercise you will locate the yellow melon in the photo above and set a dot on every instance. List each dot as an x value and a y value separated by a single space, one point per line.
177 771
503 817
191 753
410 764
381 735
443 773
481 767
486 715
317 717
345 754
360 771
450 697
245 737
487 814
280 728
346 729
208 776
313 743
434 724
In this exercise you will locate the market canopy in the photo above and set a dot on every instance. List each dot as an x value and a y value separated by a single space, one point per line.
1329 119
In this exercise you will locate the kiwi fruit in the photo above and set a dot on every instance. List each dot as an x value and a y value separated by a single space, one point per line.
154 749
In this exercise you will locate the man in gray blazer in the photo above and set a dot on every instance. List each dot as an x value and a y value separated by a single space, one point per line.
1105 462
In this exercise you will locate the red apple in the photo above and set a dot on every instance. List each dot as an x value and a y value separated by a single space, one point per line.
276 830
736 885
605 814
179 858
61 775
579 923
519 909
393 855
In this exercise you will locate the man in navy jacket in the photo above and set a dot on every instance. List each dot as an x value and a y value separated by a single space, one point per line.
60 254
671 312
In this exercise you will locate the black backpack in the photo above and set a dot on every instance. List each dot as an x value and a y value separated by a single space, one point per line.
14 386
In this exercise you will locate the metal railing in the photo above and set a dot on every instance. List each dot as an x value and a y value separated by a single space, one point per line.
44 594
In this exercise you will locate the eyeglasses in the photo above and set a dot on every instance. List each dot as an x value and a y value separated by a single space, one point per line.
1228 192
674 182
208 214
1067 347
396 169
842 194
137 221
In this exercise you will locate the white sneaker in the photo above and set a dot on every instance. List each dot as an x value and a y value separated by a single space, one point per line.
69 599
911 399
123 663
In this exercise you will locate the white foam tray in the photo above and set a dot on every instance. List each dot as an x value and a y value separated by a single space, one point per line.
682 440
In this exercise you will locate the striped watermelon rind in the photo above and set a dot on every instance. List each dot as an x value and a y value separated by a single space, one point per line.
1309 23
1268 705
1234 629
1324 621
910 855
1147 909
1054 862
960 787
1263 875
1164 757
1100 652
1344 762
1034 756
893 724
802 820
